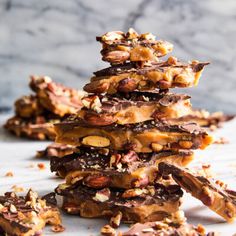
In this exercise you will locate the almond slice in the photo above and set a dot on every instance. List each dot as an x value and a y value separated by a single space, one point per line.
96 141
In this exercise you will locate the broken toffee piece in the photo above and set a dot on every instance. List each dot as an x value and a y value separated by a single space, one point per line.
136 205
56 150
57 98
217 198
161 75
134 107
125 169
26 216
142 137
28 106
38 127
206 119
166 228
120 47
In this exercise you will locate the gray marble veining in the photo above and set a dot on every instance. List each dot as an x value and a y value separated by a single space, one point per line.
57 38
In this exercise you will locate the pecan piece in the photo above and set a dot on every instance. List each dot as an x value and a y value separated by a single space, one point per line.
96 88
96 181
127 85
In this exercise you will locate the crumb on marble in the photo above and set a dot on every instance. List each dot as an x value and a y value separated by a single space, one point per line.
41 166
221 140
9 174
17 189
58 228
31 165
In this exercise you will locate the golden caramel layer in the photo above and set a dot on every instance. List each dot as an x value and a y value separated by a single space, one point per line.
147 140
163 76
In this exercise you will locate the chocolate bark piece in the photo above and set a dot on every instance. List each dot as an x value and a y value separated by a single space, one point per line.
206 119
55 97
160 75
125 169
38 127
28 106
120 47
133 107
27 215
166 228
56 150
136 205
215 196
142 137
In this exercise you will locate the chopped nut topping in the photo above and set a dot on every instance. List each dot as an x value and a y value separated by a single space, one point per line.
107 230
130 193
102 195
13 208
116 219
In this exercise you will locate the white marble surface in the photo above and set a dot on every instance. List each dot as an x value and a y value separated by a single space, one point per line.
57 38
18 154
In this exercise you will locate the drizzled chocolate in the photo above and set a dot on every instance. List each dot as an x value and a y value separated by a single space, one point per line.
111 104
93 160
158 194
191 128
154 66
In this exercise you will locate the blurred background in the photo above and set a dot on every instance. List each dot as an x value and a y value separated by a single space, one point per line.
57 38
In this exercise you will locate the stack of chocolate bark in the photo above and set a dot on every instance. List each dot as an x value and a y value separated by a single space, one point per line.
36 114
129 124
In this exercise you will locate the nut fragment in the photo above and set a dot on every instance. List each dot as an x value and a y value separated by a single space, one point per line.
107 230
206 196
186 144
131 34
156 147
113 35
148 36
13 208
130 193
141 53
114 160
98 88
129 157
9 174
127 85
96 141
116 219
102 195
172 61
96 181
116 56
140 182
41 166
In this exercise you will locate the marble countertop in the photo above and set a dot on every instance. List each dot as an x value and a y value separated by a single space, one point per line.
17 155
57 38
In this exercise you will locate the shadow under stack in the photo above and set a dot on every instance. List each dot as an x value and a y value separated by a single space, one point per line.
130 123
